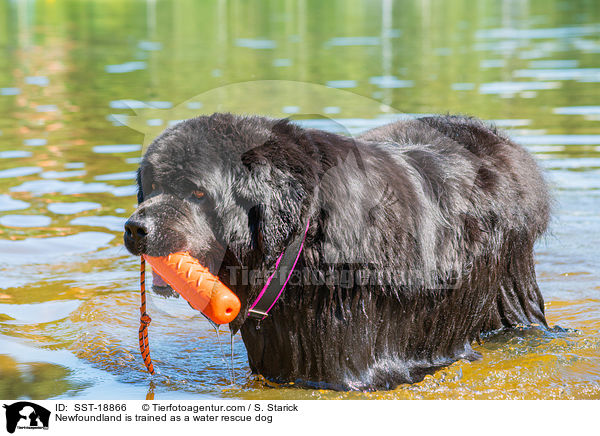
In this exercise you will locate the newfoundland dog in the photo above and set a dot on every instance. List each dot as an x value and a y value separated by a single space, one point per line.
360 263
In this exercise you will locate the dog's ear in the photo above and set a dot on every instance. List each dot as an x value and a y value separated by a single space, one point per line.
279 183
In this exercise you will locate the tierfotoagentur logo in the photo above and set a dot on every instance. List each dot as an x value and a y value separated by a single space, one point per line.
25 415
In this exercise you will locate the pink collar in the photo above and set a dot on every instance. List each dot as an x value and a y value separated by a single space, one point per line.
273 288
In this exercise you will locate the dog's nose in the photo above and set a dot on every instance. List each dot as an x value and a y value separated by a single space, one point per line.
135 230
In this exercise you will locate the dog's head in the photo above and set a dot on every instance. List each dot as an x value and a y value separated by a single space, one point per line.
232 191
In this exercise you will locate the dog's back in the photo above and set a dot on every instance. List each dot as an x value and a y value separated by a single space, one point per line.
509 200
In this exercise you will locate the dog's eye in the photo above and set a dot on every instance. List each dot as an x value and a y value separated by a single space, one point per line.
199 195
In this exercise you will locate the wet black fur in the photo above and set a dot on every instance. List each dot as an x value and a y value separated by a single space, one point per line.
448 207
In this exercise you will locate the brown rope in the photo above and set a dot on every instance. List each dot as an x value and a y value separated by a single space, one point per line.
144 320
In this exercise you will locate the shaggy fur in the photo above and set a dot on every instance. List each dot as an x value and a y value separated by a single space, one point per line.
421 238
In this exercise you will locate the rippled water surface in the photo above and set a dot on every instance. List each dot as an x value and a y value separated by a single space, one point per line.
72 72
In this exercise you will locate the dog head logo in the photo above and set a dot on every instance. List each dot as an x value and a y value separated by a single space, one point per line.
26 415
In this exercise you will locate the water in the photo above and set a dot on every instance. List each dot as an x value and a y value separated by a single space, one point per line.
73 71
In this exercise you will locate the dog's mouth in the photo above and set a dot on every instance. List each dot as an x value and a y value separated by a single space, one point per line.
181 274
162 288
172 303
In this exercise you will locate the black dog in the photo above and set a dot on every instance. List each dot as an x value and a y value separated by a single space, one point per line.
411 240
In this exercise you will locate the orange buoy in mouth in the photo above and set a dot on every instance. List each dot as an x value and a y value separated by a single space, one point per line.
197 285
